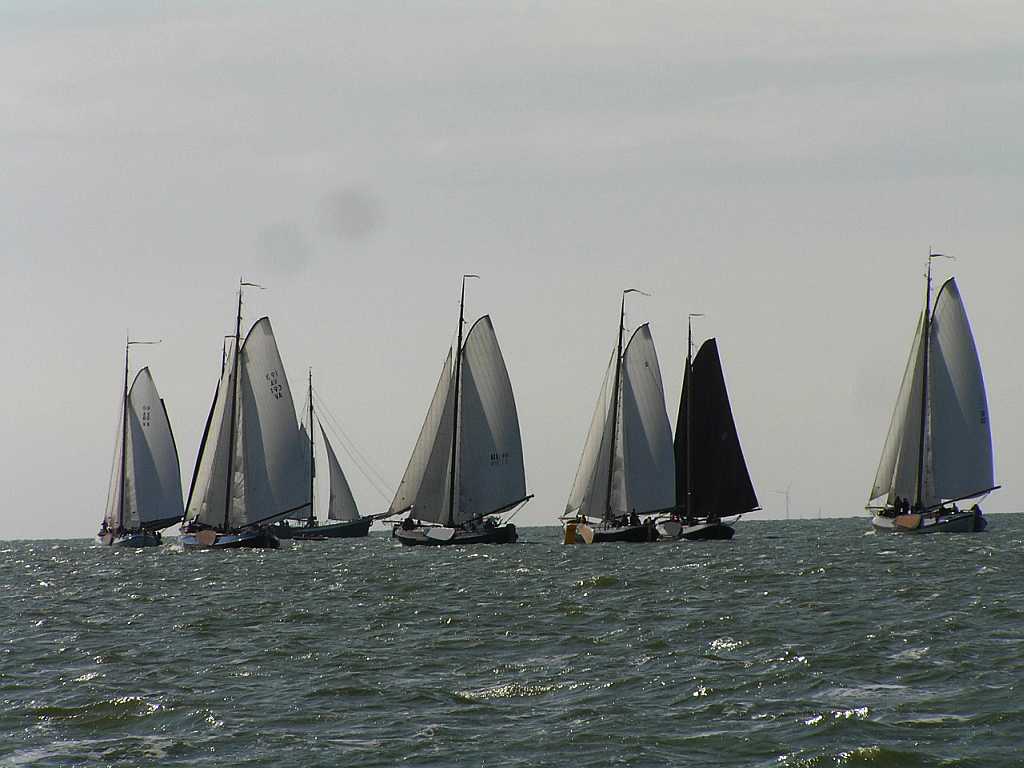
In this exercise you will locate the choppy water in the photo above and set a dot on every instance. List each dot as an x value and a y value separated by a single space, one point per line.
796 644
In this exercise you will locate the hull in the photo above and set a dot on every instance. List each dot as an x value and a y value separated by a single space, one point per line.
967 521
707 532
506 534
132 539
347 530
261 538
634 534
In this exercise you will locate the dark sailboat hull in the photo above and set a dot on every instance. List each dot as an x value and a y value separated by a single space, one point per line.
633 534
347 530
261 538
966 521
132 539
506 534
707 532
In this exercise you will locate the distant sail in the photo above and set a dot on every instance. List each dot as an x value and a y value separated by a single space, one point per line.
897 469
721 483
342 505
423 486
959 457
304 513
209 482
640 462
491 475
646 432
152 476
590 487
269 482
957 438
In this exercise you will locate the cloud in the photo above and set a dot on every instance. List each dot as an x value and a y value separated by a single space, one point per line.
351 214
284 249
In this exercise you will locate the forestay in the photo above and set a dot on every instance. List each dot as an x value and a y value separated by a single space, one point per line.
960 441
342 506
491 475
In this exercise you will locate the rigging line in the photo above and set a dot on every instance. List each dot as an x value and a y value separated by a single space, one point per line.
348 444
366 469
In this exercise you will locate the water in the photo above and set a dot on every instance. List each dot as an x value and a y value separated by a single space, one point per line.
797 644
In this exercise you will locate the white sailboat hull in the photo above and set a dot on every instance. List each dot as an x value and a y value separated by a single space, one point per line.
962 521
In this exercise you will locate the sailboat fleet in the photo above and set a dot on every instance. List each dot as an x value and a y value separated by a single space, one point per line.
254 479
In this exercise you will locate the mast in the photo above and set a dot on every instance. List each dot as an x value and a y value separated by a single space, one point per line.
455 408
615 406
689 417
234 411
312 466
689 414
925 340
124 435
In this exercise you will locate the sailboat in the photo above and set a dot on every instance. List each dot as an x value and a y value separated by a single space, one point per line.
712 481
250 471
626 469
939 447
145 490
344 521
466 468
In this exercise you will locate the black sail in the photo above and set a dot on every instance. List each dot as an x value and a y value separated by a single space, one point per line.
721 484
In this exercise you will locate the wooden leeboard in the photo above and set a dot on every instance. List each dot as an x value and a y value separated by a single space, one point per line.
909 522
206 537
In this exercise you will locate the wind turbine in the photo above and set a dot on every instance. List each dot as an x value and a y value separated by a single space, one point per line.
786 494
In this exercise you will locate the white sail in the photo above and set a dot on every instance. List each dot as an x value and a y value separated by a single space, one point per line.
209 486
648 455
342 505
152 473
491 475
303 513
897 469
112 516
960 440
424 486
590 488
270 482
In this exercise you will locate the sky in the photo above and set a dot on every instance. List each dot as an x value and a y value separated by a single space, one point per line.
782 168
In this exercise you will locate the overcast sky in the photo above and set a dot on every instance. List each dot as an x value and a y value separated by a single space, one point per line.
783 168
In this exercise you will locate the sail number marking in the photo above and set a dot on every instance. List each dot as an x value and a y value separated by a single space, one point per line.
146 415
499 459
276 389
